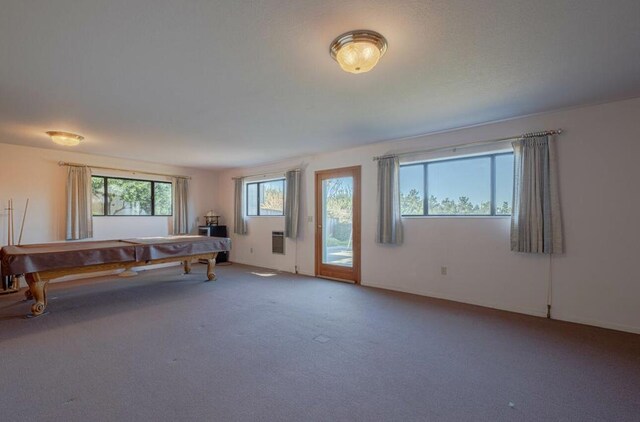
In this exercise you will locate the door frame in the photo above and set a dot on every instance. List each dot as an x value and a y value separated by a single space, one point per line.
336 272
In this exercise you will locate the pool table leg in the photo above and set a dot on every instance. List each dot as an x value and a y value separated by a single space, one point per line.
15 282
38 289
211 268
187 266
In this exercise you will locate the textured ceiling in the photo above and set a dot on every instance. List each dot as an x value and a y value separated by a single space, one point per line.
216 84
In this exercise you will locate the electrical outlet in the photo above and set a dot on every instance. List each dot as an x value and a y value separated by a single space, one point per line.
443 270
250 250
309 219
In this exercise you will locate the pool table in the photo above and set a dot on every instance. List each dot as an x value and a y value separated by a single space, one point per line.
40 263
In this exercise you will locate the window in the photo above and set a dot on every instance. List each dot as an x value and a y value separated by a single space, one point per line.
162 198
265 198
115 196
480 185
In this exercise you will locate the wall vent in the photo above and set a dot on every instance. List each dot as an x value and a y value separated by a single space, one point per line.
277 242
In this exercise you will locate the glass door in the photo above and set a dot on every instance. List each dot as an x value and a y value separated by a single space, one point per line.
338 224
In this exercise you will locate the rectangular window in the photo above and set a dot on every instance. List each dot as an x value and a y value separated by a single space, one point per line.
504 183
265 198
162 198
97 195
115 196
480 185
252 199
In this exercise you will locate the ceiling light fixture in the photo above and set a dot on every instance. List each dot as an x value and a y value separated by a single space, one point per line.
65 138
358 51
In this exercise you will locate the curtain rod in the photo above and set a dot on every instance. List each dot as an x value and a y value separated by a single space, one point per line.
470 144
63 163
273 173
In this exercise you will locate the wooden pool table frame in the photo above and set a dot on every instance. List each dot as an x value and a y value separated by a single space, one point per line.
38 281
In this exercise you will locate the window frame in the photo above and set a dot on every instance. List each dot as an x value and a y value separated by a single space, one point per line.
105 199
258 183
425 185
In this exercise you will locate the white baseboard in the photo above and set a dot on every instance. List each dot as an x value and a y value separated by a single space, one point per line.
588 321
558 316
527 311
265 267
517 309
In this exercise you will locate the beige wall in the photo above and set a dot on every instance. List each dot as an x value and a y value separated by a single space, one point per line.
595 282
34 173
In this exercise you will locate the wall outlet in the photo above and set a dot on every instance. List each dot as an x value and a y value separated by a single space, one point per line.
443 270
250 250
309 219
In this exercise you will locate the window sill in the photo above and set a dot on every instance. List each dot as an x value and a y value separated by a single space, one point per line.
455 217
119 216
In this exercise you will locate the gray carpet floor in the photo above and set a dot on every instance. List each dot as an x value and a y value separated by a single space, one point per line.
259 347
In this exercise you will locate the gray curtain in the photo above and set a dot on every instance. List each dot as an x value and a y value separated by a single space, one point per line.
292 204
239 223
180 198
79 219
389 228
536 223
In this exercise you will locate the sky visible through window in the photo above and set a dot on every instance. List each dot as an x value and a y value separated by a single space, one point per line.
504 179
453 179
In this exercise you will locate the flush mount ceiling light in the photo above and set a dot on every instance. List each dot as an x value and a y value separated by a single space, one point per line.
358 51
65 138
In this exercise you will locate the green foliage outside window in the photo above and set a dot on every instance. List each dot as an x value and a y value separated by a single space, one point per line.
162 198
413 204
339 201
265 198
272 202
97 195
128 197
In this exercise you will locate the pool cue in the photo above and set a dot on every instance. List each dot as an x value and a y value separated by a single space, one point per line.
24 217
5 285
14 282
9 224
13 237
13 240
16 279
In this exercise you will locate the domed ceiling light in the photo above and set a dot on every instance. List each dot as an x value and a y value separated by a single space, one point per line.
358 51
65 138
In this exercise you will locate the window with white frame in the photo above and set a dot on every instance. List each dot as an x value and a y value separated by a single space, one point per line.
265 198
468 186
